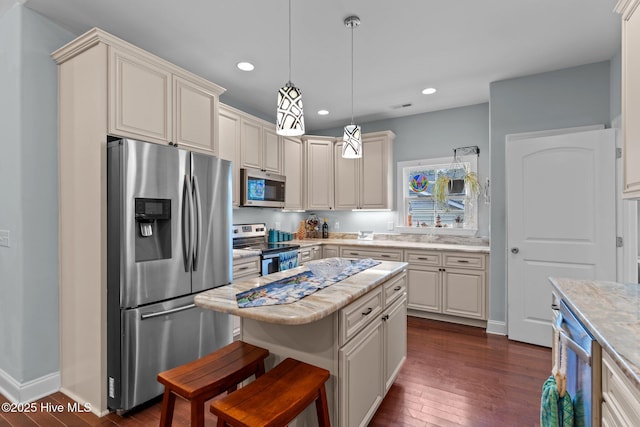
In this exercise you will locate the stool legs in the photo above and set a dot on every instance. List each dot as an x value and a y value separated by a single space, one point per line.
168 402
322 408
197 413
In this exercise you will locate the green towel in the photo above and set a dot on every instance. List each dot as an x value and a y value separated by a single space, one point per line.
554 410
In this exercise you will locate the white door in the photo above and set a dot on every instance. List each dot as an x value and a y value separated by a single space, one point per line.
561 222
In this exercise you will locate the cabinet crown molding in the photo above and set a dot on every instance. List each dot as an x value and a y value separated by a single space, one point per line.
626 7
95 36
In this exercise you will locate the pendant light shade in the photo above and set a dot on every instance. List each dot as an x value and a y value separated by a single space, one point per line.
352 139
352 142
290 115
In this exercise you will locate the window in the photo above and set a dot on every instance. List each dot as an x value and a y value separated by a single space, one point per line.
418 208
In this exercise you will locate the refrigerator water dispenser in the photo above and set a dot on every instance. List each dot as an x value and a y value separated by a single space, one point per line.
153 220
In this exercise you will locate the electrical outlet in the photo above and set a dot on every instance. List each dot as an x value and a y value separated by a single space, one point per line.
390 225
4 238
277 225
336 225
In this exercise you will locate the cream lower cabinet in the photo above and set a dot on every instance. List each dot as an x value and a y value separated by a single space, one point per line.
379 254
330 251
374 332
447 283
310 253
243 269
150 100
620 398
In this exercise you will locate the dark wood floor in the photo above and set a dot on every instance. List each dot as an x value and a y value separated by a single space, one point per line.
454 376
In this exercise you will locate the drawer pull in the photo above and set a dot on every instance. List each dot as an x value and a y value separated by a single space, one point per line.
385 256
397 288
243 268
421 258
368 312
463 261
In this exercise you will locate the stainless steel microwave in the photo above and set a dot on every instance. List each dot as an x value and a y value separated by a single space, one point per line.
261 189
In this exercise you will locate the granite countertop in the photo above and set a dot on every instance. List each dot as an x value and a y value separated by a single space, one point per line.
245 253
611 312
309 309
395 244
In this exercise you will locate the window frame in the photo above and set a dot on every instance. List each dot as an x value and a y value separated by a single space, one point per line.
401 187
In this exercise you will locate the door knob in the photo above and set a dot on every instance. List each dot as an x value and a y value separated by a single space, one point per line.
515 250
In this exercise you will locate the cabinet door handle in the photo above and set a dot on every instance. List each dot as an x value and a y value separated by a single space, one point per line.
397 288
367 312
385 317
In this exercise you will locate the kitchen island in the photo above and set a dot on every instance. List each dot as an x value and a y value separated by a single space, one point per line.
611 313
355 328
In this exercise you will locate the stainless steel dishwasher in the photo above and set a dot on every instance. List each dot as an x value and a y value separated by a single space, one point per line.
584 363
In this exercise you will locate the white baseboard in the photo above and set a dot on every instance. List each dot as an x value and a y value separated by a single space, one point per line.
497 328
31 390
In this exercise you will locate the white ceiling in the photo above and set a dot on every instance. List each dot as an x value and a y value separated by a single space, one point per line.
402 47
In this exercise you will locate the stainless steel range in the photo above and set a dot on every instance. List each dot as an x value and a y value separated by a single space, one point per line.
274 256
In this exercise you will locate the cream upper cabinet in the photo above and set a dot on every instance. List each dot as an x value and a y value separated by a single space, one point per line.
630 95
195 116
229 144
152 101
319 172
293 160
366 183
376 171
140 97
346 180
260 145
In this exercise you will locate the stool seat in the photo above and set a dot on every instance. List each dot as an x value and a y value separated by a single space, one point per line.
207 377
276 398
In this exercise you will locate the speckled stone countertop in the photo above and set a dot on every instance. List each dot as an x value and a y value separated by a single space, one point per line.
611 312
309 309
395 244
245 253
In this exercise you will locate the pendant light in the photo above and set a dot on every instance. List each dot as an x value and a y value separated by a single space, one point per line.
352 139
290 116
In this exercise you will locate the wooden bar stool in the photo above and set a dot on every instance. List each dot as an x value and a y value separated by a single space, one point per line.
209 376
276 398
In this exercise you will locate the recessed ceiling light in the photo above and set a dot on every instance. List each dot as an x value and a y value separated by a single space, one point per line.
245 66
429 91
323 112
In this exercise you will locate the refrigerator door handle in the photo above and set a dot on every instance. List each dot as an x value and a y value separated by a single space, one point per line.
165 312
187 224
198 218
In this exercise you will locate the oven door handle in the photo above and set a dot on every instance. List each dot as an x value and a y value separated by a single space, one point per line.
574 346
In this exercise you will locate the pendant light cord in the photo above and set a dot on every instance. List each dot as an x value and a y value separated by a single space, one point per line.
352 74
289 41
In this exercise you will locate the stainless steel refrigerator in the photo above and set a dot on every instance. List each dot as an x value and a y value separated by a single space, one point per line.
168 238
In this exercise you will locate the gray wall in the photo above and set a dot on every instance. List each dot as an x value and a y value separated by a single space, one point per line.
615 86
420 136
29 194
566 98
